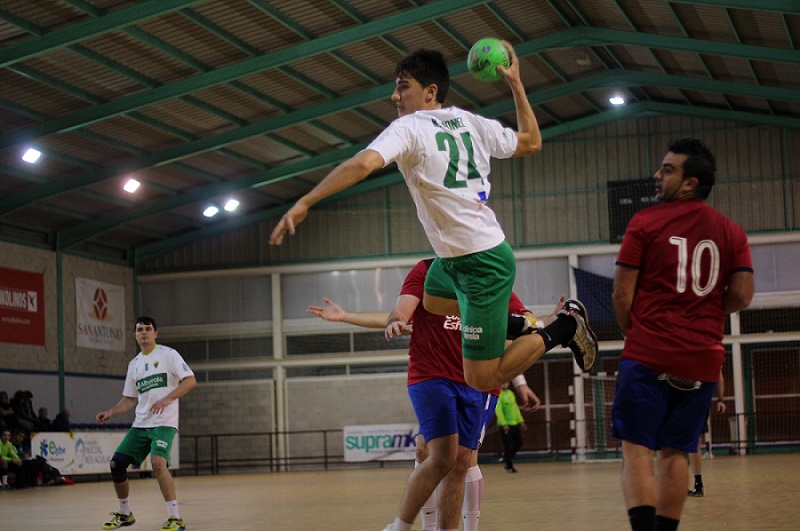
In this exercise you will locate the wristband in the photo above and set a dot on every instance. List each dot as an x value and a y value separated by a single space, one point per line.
519 380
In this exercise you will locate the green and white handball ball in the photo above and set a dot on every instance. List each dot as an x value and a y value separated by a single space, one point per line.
484 57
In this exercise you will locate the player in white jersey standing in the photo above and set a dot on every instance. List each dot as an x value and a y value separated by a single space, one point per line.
444 155
157 378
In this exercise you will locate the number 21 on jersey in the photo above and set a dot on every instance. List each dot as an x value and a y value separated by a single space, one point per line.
448 142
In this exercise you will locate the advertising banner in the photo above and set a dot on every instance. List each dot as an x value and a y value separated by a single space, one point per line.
99 315
87 452
21 307
380 442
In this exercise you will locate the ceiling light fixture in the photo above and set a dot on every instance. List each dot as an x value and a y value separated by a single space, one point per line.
231 205
131 186
210 211
31 155
616 100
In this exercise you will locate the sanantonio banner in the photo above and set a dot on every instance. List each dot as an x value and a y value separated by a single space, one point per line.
100 315
87 452
21 307
380 442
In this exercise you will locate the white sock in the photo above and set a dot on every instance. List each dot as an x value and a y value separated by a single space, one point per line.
473 494
399 525
125 506
172 509
5 479
428 514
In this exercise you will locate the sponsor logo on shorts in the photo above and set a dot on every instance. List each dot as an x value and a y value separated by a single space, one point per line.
472 332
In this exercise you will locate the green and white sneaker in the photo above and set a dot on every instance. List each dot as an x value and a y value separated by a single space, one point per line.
119 520
173 524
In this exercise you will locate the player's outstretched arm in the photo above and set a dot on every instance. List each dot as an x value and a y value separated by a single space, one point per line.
342 177
335 313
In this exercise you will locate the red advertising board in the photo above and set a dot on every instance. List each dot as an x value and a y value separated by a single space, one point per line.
21 307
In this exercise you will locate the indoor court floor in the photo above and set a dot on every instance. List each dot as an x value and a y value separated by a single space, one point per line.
742 493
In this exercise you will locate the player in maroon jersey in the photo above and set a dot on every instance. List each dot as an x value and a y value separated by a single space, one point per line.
452 415
682 267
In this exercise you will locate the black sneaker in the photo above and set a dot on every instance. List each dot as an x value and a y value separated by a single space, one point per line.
696 493
511 470
584 344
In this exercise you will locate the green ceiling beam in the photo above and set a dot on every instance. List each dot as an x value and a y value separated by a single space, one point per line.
585 36
578 36
90 28
791 7
244 68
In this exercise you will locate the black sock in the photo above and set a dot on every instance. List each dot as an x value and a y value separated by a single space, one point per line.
516 325
666 524
698 482
559 332
642 518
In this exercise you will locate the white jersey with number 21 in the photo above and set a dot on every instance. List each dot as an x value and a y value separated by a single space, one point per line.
444 155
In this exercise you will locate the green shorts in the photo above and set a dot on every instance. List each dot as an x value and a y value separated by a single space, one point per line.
139 442
482 284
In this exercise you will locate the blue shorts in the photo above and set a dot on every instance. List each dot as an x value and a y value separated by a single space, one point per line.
652 413
444 408
489 403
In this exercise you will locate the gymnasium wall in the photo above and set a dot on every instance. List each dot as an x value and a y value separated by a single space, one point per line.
92 376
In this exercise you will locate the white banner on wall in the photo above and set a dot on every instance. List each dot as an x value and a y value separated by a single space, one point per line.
380 442
87 452
99 315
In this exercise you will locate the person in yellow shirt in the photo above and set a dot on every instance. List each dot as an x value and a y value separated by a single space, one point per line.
509 419
9 461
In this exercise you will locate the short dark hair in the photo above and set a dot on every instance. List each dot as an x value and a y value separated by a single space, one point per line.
429 68
699 163
145 320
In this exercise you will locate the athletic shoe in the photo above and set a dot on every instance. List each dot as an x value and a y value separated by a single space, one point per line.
173 524
584 344
119 520
696 493
511 470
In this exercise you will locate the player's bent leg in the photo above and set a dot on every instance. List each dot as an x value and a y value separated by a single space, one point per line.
486 375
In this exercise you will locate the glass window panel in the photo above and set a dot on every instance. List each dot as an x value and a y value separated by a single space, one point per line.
368 290
540 282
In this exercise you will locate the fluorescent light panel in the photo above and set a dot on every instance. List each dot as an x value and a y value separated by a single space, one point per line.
31 155
131 186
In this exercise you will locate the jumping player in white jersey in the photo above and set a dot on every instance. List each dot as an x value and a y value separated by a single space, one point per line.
444 155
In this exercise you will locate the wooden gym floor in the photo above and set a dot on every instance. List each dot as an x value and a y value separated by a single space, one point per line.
742 493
